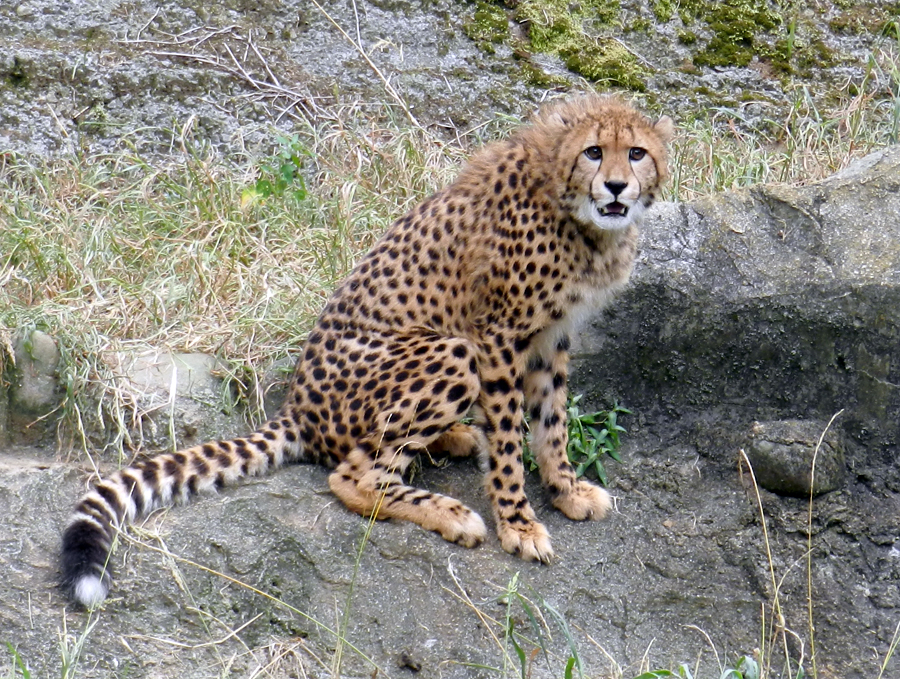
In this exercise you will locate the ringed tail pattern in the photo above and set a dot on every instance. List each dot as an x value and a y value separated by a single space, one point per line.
132 493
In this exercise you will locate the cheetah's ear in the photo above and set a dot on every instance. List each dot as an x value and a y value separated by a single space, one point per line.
665 128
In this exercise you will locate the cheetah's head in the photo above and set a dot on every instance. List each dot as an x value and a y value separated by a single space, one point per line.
613 158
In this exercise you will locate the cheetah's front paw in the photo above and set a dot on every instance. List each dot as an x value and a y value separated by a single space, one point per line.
530 540
584 501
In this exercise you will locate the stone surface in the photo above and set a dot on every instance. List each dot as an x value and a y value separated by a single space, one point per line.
788 459
35 389
178 397
34 392
92 76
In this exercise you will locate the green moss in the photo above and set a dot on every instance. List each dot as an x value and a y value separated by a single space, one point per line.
663 9
860 19
780 56
735 25
552 24
17 74
598 12
536 76
797 55
638 26
689 10
610 64
687 37
564 29
488 26
815 55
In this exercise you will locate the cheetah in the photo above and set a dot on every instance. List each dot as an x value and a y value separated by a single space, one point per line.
455 323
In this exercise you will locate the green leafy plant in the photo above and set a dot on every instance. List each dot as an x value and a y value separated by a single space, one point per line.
281 176
535 613
593 436
18 664
745 668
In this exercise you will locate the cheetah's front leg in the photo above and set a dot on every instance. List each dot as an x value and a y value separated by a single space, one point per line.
545 398
520 532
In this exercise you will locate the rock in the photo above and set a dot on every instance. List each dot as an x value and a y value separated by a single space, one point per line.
184 396
155 373
34 392
36 388
782 454
421 47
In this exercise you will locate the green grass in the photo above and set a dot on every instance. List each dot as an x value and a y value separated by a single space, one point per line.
17 666
197 254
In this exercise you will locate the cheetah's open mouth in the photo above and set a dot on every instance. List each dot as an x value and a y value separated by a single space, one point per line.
615 208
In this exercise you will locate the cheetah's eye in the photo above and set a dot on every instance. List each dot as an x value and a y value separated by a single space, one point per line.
636 154
593 152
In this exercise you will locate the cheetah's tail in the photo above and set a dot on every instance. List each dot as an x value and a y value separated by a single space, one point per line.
136 491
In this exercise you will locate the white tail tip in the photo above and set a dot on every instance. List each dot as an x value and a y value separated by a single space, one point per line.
90 590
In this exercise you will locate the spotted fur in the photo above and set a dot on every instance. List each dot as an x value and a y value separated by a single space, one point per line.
464 307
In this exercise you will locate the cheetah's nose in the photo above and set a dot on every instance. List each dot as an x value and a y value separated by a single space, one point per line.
615 188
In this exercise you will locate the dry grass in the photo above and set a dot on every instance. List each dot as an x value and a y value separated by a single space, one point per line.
115 253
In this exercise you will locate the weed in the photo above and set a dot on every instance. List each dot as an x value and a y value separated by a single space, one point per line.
745 668
118 254
513 598
281 176
591 437
71 647
734 146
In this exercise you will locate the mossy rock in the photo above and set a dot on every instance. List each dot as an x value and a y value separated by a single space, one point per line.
566 30
663 10
488 26
611 64
862 18
735 25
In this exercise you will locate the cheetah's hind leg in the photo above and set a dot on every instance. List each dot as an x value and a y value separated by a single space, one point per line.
460 440
419 410
369 487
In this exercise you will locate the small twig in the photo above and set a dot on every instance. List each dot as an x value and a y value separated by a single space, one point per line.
628 49
778 624
259 56
712 646
147 25
178 644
